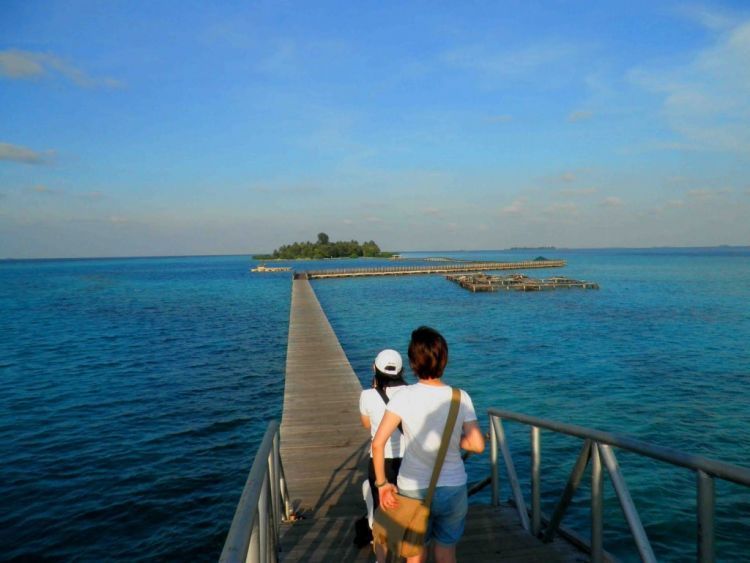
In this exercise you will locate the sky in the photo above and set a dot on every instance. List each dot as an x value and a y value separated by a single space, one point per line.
191 127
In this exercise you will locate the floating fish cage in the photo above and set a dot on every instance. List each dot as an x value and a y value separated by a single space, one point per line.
516 282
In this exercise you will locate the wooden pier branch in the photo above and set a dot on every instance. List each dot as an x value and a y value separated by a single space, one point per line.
430 269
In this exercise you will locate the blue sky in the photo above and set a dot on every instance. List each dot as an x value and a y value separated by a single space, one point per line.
233 127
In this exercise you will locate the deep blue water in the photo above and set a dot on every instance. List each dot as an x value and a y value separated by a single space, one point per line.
136 390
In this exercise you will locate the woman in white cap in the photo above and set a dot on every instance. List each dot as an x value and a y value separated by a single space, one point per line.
388 380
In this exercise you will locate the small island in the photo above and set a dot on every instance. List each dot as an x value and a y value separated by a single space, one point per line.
324 248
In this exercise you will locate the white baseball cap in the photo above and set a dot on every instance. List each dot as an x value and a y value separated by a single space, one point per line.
389 362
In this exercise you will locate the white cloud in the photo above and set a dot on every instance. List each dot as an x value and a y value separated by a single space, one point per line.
707 101
516 207
563 208
580 115
504 118
709 18
568 176
704 194
348 222
16 153
612 201
42 189
26 65
511 63
578 191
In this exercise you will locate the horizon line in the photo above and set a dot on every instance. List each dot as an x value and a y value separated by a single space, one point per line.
250 254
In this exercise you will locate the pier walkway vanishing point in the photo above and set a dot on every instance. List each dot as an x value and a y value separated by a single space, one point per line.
325 452
430 269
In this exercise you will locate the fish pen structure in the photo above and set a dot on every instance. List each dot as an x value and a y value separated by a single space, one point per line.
516 282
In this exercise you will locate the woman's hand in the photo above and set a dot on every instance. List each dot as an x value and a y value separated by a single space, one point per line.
388 498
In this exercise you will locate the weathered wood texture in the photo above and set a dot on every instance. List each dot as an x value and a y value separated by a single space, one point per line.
323 446
325 455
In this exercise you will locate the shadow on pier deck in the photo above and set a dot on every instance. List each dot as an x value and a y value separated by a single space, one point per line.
325 455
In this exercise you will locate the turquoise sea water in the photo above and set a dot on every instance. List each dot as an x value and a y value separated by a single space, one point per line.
136 390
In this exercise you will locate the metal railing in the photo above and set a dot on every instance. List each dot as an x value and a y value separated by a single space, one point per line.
254 534
597 449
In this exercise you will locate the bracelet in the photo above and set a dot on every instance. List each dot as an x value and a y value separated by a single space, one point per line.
380 485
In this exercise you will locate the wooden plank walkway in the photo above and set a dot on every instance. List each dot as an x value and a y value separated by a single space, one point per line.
325 455
431 269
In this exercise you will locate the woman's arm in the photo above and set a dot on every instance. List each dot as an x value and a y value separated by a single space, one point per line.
365 420
472 440
387 426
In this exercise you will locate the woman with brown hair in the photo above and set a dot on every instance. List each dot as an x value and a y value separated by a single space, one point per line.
422 410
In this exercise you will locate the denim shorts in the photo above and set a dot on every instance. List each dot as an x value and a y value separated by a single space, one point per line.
447 513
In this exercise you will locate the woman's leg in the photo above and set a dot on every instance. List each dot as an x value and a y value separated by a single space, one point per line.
419 558
445 553
380 552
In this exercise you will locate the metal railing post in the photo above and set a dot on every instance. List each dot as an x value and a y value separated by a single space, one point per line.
263 519
706 502
628 508
253 550
597 506
493 464
570 488
536 493
510 467
275 480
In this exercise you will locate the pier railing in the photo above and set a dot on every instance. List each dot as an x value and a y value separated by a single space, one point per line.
432 269
254 534
598 450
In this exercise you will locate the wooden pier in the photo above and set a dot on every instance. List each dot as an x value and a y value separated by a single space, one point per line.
439 268
516 282
324 451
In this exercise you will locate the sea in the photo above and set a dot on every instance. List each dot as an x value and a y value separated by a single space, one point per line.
135 391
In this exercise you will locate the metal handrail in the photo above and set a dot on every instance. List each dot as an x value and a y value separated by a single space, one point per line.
254 534
597 449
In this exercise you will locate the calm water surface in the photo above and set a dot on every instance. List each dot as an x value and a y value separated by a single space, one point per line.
136 391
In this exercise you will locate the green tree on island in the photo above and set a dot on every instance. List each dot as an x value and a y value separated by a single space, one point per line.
324 248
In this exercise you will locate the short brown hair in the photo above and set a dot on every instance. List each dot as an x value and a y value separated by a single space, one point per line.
428 353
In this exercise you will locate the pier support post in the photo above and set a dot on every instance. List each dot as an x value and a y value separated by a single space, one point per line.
493 463
536 495
706 502
597 506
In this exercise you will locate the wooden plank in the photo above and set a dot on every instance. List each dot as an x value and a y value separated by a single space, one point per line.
323 446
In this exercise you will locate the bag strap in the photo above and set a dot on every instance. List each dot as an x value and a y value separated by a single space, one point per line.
385 398
449 425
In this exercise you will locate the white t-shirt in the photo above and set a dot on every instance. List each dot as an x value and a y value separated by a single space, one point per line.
371 404
424 410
